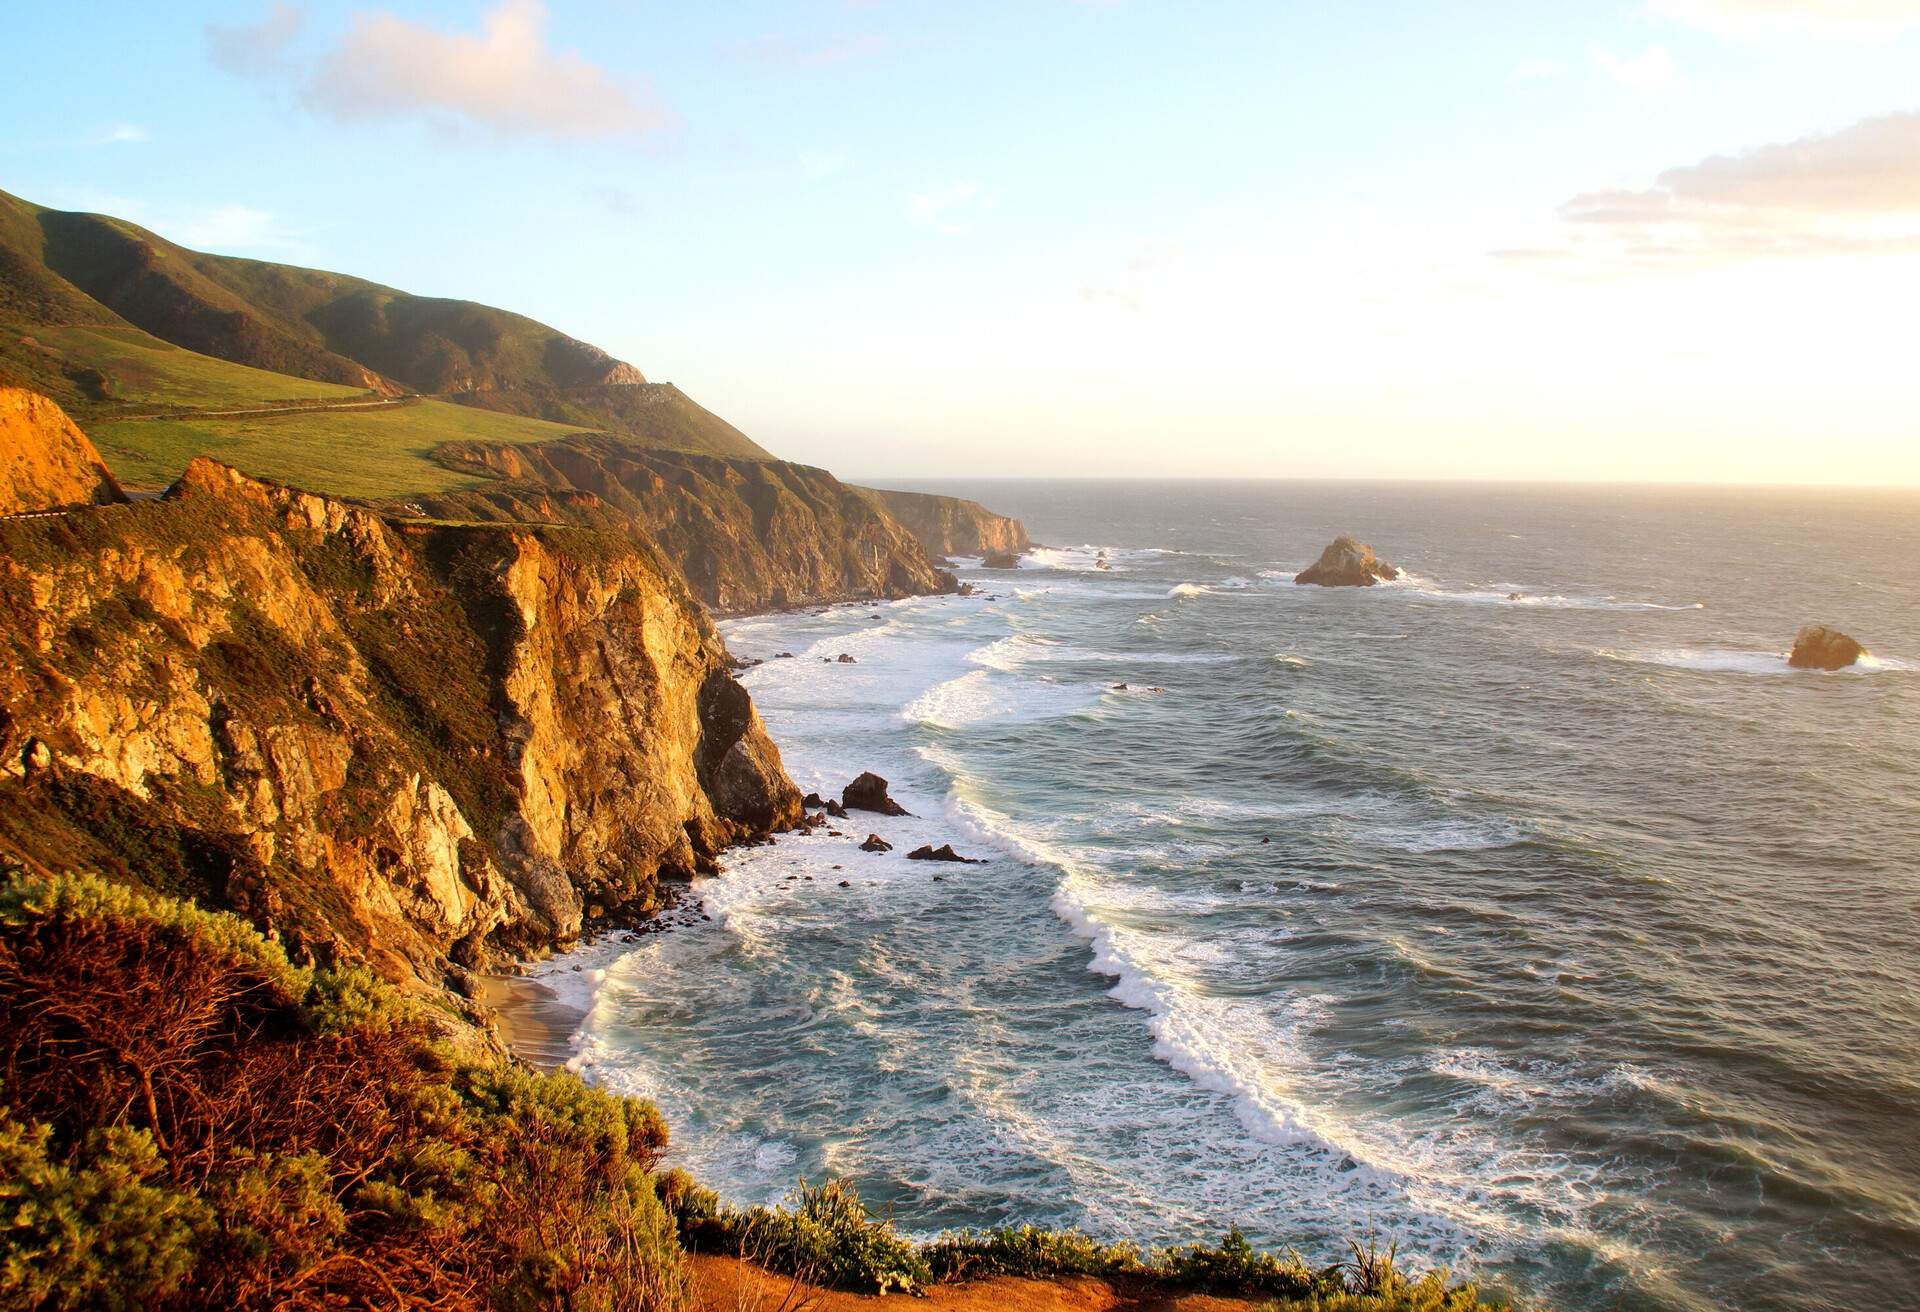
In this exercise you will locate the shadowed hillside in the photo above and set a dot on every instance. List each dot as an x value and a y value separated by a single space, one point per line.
73 287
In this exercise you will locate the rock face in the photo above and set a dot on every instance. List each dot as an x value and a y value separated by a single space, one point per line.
944 852
748 535
1347 563
869 793
1818 648
45 462
394 745
952 526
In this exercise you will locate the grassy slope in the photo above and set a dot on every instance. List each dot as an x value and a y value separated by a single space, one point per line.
351 453
58 270
146 372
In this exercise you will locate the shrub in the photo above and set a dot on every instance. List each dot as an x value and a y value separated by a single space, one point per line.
1236 1266
1029 1252
826 1234
191 1121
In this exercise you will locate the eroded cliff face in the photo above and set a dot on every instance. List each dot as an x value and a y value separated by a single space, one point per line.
747 535
953 526
398 745
45 462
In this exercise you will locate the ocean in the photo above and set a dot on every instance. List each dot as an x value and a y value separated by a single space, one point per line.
1569 939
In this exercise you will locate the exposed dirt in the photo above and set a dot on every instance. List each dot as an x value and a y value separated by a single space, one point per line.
725 1284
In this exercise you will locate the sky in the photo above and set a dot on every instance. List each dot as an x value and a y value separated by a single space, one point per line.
1648 240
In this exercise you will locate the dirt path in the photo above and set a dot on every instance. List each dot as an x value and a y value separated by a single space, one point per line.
317 407
725 1284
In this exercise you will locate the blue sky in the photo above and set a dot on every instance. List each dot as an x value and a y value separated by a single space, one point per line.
1660 239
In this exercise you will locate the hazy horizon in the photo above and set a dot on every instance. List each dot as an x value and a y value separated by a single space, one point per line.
1652 241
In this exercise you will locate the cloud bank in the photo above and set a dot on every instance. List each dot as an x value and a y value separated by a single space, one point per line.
1852 191
504 80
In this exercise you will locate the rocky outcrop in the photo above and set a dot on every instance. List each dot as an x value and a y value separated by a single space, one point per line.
944 852
748 535
953 526
1347 563
869 793
1000 560
1819 648
397 745
45 462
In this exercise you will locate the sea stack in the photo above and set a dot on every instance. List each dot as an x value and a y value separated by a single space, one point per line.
1000 560
1818 648
1347 563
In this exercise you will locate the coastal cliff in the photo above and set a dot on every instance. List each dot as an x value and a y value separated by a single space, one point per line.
45 462
746 535
953 526
411 747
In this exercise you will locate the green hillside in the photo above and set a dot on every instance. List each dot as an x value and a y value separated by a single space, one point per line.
384 452
298 334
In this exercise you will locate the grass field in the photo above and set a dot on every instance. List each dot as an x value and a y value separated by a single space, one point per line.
147 371
353 453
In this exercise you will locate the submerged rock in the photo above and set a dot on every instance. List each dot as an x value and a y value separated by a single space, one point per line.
1818 648
944 852
1347 563
845 659
869 793
875 843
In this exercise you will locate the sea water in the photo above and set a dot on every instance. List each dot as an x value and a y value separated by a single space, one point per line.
1527 912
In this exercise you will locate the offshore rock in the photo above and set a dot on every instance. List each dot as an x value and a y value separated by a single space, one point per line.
1818 648
1347 563
944 852
875 843
869 793
1000 560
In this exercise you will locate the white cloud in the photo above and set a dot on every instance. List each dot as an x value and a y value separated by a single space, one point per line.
1651 73
254 49
1746 19
505 79
122 134
1851 191
948 210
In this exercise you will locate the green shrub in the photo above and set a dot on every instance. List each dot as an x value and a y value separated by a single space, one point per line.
189 1121
1029 1252
96 1231
826 1234
1236 1266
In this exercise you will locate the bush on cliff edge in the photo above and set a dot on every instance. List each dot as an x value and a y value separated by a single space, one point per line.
189 1120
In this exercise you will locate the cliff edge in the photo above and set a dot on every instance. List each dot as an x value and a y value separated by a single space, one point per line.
953 526
747 535
45 462
411 747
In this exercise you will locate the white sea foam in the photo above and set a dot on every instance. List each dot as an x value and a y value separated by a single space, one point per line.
1188 590
1726 661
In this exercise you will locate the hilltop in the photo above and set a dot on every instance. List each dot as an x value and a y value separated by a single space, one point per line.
119 324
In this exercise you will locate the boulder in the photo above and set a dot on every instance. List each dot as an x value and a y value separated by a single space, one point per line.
944 852
812 802
834 809
1347 563
845 659
45 462
869 793
1000 560
1818 648
875 843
